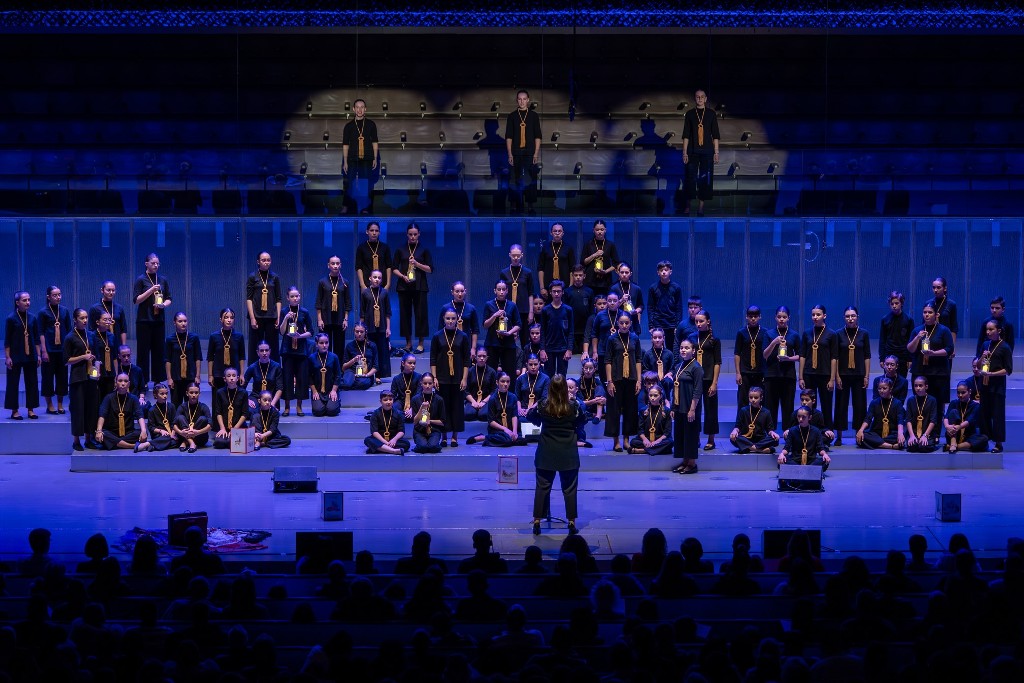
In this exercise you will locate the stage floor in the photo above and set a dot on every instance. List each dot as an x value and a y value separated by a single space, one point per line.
864 512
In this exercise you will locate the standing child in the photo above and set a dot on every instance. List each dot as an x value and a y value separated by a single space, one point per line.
296 327
818 364
502 322
580 299
853 372
708 352
466 318
21 346
781 357
226 349
622 375
996 363
687 383
375 315
54 324
748 355
333 304
556 323
183 359
449 364
665 305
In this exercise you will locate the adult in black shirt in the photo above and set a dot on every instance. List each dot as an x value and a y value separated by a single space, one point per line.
522 140
700 141
359 149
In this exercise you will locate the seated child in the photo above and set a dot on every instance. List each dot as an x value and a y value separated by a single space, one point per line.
266 419
359 362
922 415
428 417
194 422
755 428
961 424
503 417
160 416
883 424
655 436
230 409
387 428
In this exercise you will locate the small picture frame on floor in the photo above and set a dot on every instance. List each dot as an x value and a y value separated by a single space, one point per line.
508 469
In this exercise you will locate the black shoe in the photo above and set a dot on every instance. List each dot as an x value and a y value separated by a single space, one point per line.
838 441
690 469
572 529
536 528
75 446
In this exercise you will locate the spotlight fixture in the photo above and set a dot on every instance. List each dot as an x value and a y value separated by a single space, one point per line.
423 169
668 136
348 106
478 135
458 107
303 168
384 107
572 110
734 168
383 171
442 137
682 105
772 168
628 136
555 136
644 106
577 170
185 167
593 139
287 135
403 138
309 108
657 168
495 105
533 105
745 137
720 110
327 135
423 109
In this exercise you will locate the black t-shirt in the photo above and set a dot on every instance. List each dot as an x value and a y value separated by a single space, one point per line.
350 138
523 141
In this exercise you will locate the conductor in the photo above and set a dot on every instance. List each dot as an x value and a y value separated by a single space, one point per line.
558 419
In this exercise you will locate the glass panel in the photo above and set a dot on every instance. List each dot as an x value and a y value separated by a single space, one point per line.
884 265
776 251
216 275
105 254
829 248
994 266
939 249
719 270
49 253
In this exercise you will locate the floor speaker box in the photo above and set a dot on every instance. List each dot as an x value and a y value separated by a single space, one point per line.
295 480
323 547
947 507
800 477
774 542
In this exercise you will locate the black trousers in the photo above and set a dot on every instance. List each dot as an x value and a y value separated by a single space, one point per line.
711 425
993 415
686 436
819 384
622 407
296 377
84 404
505 358
853 385
568 479
31 385
55 375
150 336
266 331
556 364
700 177
410 304
335 338
523 184
455 416
383 344
780 393
359 180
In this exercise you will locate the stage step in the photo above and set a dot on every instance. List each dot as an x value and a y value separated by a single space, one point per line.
51 434
485 461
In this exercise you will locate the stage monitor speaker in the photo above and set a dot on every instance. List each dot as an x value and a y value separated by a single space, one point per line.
295 480
774 542
800 477
323 547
